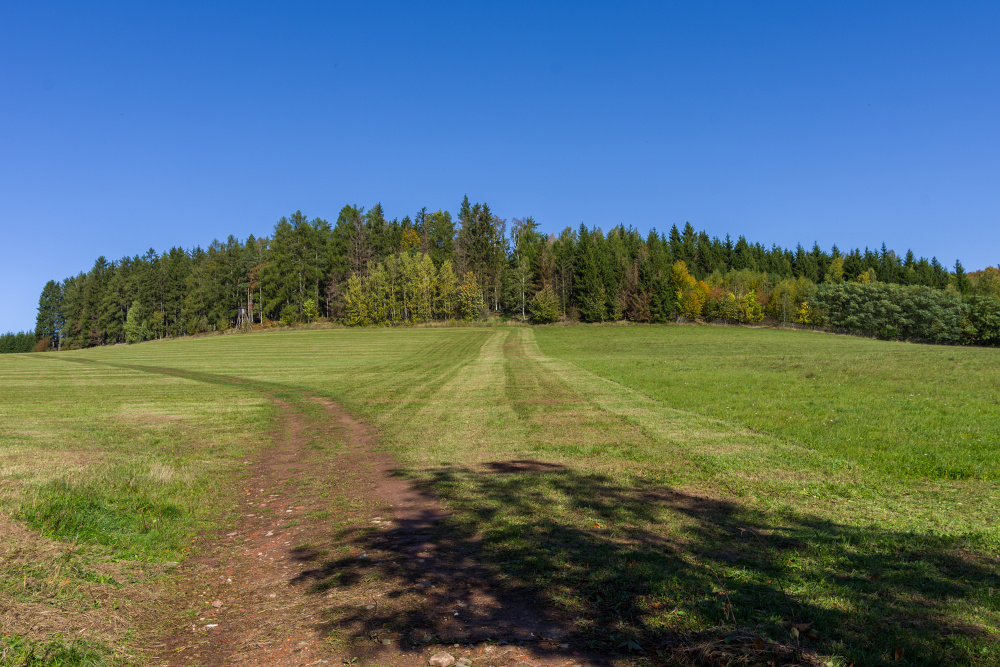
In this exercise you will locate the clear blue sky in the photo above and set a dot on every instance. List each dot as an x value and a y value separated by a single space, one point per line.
135 125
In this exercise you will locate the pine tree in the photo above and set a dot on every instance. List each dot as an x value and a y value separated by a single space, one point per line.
961 280
440 233
49 323
589 289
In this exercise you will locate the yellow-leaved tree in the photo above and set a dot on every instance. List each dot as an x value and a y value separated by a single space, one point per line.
805 315
444 291
691 293
356 307
470 298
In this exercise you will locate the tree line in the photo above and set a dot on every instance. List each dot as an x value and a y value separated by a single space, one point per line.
22 341
364 269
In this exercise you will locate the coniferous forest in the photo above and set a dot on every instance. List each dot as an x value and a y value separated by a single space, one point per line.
366 270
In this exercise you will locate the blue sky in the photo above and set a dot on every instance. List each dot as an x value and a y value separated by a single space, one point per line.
136 125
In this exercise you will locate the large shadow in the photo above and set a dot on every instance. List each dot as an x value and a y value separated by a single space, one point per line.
542 553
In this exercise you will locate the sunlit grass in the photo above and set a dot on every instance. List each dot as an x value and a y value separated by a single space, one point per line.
917 411
131 463
116 471
55 652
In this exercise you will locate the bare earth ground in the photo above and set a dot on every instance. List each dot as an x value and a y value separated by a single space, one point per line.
332 558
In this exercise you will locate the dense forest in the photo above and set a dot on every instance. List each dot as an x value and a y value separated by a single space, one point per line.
366 270
23 341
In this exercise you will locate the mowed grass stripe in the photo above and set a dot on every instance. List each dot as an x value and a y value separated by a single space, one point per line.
466 418
776 473
915 411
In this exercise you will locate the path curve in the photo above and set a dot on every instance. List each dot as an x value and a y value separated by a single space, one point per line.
259 591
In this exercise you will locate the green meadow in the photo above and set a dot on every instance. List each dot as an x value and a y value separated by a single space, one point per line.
675 482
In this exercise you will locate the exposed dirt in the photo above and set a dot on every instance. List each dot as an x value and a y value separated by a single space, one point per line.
333 557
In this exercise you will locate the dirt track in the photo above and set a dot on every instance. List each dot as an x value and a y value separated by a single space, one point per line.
332 557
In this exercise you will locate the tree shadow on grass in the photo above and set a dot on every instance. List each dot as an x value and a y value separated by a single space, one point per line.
542 553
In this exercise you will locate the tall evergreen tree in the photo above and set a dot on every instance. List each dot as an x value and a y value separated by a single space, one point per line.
49 322
962 284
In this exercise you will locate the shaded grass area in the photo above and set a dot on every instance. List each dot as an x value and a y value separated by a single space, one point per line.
628 565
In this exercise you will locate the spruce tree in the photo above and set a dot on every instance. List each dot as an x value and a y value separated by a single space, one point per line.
962 283
49 323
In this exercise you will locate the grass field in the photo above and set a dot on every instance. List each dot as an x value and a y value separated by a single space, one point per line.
835 492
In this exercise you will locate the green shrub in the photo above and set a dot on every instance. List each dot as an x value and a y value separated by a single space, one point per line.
893 312
984 320
16 651
544 306
289 314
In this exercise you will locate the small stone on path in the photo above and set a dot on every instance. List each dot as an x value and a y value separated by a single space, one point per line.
442 659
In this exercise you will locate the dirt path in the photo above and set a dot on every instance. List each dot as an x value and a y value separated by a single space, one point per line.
334 557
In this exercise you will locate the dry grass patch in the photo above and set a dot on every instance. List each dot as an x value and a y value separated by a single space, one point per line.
53 590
